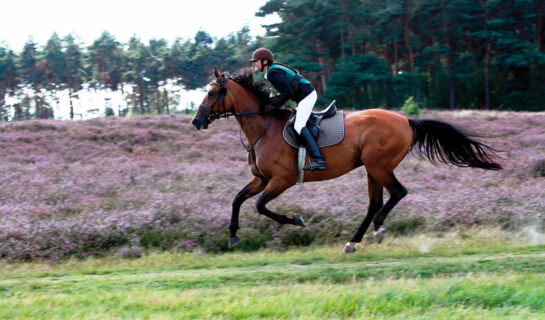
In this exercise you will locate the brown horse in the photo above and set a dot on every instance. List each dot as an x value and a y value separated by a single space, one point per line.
377 139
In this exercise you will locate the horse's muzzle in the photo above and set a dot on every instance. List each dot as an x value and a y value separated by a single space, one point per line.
201 120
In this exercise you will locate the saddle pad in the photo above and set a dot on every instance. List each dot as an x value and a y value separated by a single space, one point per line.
333 132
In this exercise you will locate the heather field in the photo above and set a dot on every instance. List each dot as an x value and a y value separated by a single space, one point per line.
123 186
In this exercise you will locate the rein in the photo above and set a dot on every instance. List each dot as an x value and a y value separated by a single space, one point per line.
251 147
213 115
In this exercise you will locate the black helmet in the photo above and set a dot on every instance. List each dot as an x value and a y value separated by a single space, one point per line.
262 53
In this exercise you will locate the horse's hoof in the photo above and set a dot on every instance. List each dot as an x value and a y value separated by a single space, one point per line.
379 234
350 247
299 221
233 241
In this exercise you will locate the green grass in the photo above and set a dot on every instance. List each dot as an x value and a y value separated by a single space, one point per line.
464 275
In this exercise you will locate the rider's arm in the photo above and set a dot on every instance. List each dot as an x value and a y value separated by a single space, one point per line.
279 80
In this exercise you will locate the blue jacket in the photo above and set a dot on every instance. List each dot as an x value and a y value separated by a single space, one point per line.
279 78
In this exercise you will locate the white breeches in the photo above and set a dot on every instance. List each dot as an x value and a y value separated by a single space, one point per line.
304 109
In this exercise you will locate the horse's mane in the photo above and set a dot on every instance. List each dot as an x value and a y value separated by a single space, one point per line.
259 88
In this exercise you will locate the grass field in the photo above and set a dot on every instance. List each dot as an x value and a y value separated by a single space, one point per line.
472 274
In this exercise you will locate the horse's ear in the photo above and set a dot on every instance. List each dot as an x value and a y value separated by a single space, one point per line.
218 75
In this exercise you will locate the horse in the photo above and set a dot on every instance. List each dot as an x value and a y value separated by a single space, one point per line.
376 139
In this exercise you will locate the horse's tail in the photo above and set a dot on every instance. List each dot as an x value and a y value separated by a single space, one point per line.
442 142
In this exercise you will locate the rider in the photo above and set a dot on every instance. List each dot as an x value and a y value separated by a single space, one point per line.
292 86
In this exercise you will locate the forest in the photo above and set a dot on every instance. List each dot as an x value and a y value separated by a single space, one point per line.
458 54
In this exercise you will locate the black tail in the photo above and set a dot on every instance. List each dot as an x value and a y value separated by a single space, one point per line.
441 142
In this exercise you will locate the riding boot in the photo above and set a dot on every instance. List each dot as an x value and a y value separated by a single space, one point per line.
317 162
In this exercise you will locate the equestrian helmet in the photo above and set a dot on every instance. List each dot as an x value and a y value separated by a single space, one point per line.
262 53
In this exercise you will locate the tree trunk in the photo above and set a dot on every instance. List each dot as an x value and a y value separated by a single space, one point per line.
396 59
71 105
38 103
487 76
539 24
323 64
122 98
165 97
365 96
448 43
452 87
159 102
3 112
389 93
141 99
18 111
488 57
406 38
387 58
342 43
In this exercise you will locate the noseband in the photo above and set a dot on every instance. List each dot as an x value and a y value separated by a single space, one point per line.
212 115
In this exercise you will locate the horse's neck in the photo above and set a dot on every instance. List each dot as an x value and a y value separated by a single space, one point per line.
264 129
253 124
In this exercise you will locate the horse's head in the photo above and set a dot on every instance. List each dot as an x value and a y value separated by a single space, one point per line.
214 103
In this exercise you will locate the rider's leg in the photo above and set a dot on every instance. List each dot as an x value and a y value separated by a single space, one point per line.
304 109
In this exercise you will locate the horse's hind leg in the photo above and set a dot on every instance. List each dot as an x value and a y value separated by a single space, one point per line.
375 203
273 189
255 186
397 192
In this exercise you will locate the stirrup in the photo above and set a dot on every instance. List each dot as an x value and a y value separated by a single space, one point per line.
315 165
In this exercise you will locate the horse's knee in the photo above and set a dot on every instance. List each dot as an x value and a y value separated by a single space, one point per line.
262 201
237 202
397 192
400 192
375 206
260 205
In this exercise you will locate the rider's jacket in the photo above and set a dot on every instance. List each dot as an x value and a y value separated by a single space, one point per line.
290 85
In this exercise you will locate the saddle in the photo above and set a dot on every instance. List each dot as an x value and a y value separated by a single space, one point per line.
326 126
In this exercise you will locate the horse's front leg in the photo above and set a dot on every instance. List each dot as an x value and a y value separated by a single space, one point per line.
273 189
255 186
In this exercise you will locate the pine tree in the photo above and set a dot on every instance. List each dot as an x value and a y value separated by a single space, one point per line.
74 72
8 79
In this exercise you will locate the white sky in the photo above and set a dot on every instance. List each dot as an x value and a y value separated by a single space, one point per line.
21 20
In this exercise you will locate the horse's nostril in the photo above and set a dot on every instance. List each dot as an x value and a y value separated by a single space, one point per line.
195 123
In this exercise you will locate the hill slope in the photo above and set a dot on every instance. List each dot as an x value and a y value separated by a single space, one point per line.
83 187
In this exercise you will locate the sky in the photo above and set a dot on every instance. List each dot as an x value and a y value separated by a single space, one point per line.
22 20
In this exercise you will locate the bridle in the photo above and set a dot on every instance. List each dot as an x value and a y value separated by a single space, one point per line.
213 115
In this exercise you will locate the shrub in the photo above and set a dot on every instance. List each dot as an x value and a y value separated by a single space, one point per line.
410 107
109 112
